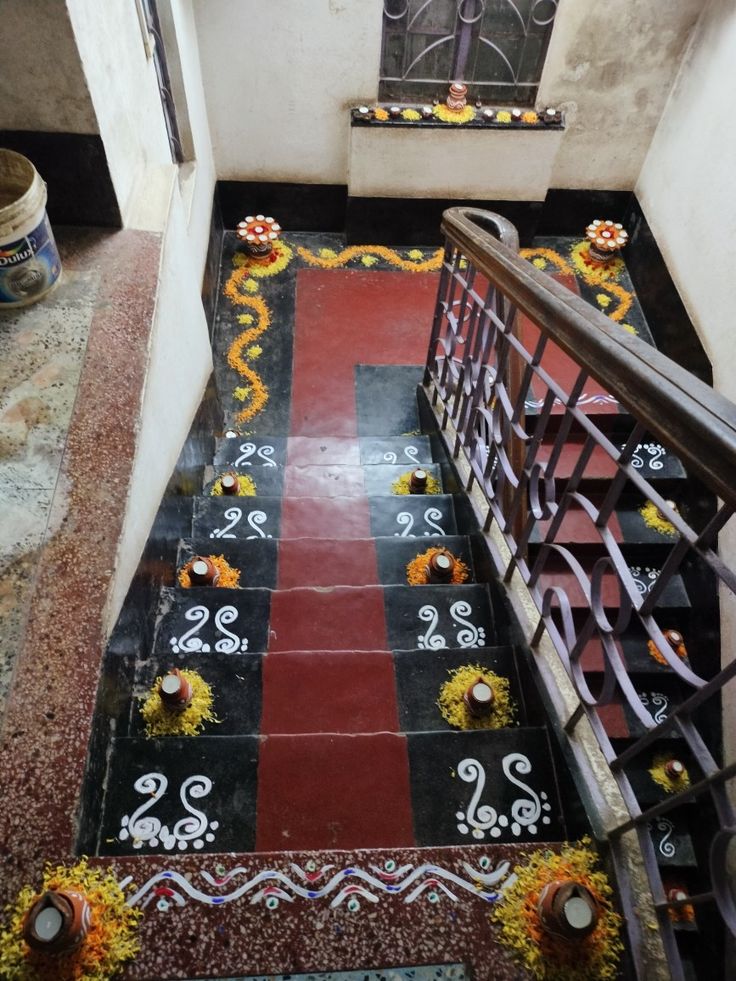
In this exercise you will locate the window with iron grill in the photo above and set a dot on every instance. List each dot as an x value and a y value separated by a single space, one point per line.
497 47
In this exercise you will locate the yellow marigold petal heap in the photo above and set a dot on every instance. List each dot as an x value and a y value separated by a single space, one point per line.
335 260
448 115
110 942
655 520
660 776
504 116
529 117
549 958
416 570
402 484
162 722
380 114
596 273
451 702
281 256
229 577
246 487
411 115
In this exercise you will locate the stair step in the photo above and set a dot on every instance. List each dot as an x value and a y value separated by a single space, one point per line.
328 618
420 675
232 621
257 560
555 574
386 399
249 451
412 516
380 478
636 655
628 528
660 695
236 519
324 562
512 769
435 617
325 517
409 451
601 468
648 791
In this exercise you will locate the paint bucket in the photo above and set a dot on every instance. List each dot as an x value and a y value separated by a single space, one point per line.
29 261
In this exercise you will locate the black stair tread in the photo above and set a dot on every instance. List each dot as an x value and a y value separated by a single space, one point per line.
394 554
660 694
232 621
672 841
407 451
244 451
628 526
379 478
216 518
447 768
655 466
256 559
556 573
434 617
420 675
647 790
413 515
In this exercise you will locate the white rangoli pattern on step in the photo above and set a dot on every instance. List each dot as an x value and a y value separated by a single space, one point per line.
233 515
142 828
190 643
480 819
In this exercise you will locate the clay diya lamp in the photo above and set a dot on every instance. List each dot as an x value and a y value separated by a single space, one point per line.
203 571
440 568
363 114
674 769
516 115
426 112
551 117
606 239
489 115
479 699
568 910
456 97
258 234
229 484
231 434
676 641
58 922
394 112
175 691
418 482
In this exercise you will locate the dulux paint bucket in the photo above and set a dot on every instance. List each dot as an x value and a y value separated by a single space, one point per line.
29 260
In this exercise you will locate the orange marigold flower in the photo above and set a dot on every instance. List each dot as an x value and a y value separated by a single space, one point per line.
229 577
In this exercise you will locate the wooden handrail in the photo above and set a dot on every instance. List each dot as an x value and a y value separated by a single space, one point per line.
688 416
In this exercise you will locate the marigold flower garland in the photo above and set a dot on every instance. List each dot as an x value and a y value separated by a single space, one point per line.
246 487
241 347
659 657
416 570
401 484
549 958
329 259
455 712
160 721
110 942
229 577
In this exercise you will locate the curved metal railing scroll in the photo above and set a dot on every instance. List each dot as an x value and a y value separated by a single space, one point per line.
563 421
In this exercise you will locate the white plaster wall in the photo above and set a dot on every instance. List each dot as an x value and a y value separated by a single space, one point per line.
122 81
611 63
443 163
686 187
279 77
42 85
199 205
180 362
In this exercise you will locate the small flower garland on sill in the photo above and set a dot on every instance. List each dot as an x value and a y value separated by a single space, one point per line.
441 112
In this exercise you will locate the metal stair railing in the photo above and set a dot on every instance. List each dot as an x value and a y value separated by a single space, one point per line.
498 403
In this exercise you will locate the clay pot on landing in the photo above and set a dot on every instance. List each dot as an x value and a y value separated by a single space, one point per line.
479 699
58 922
175 691
229 484
567 909
456 97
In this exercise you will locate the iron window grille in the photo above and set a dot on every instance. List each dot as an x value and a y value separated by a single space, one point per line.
497 47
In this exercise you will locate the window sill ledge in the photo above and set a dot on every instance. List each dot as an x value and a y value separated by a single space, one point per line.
478 122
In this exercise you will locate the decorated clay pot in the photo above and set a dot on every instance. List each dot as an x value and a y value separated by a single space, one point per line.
58 922
203 571
440 568
567 909
175 691
258 233
479 699
456 96
606 239
418 482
